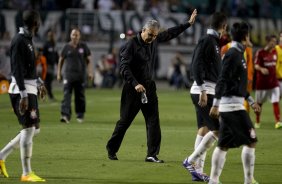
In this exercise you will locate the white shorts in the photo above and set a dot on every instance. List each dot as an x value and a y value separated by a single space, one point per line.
280 86
272 94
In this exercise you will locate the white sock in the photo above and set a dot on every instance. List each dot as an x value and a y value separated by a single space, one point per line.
248 160
198 140
26 149
218 160
205 144
13 144
201 161
10 147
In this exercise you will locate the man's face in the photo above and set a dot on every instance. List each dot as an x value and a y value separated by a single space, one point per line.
280 38
149 34
50 35
75 36
223 29
272 43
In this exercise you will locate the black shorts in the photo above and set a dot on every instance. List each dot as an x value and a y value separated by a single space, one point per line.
31 116
236 129
203 117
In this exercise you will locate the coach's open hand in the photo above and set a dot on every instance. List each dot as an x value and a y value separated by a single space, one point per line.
193 17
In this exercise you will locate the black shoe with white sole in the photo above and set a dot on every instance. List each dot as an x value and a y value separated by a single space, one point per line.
153 159
112 156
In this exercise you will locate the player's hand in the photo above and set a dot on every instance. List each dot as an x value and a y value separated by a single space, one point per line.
193 17
256 107
59 77
264 71
140 88
91 76
23 105
214 113
42 92
203 99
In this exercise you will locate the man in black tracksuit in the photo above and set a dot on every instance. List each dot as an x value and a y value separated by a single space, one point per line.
136 67
236 127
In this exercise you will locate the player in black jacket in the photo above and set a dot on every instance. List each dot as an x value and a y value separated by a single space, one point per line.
206 66
137 67
236 128
23 94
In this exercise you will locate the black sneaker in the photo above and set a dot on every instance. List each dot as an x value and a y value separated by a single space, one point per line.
65 119
112 156
153 159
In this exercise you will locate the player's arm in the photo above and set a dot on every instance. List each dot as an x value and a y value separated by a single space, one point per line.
90 68
255 106
41 89
261 69
18 67
198 69
173 32
61 63
59 70
258 63
228 65
18 73
44 67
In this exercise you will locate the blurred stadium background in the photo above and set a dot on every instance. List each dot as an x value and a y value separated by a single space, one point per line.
102 22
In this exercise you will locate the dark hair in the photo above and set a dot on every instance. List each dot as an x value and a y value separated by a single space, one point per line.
239 31
30 17
218 19
269 37
76 29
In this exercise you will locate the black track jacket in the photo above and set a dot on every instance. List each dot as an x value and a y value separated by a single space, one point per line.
206 59
138 58
23 58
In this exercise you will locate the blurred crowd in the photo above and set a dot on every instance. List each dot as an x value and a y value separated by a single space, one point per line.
106 66
239 8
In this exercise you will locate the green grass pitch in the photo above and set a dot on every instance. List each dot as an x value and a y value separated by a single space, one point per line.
75 153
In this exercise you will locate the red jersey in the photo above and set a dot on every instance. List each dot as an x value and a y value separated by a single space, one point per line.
267 60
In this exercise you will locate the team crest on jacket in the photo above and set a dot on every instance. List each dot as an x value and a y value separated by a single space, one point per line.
33 114
217 49
30 47
244 63
80 50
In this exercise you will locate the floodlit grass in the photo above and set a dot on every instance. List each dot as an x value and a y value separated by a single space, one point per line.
76 154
